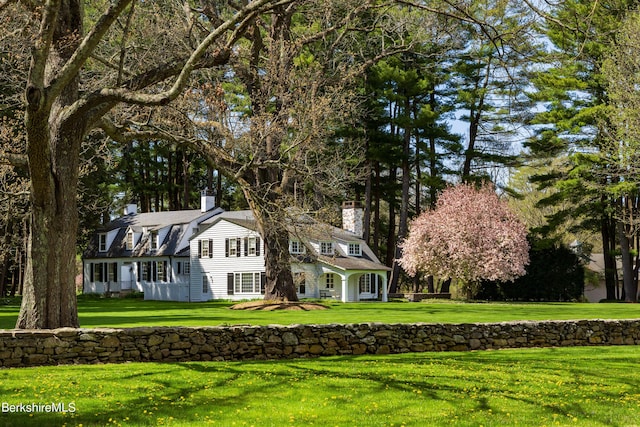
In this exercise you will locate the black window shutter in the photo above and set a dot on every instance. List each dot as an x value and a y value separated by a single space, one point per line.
103 272
199 248
154 271
238 247
263 282
165 267
246 246
230 283
139 275
226 248
374 283
91 272
210 248
115 271
258 242
179 268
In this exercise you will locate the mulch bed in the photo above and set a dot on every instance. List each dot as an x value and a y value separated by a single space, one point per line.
278 305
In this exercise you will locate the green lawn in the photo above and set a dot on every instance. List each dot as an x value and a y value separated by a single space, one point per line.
123 313
539 387
594 386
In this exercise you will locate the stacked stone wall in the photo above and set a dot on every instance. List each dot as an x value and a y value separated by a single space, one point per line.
21 348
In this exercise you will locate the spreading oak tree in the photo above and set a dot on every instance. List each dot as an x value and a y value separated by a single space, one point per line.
272 120
471 235
96 65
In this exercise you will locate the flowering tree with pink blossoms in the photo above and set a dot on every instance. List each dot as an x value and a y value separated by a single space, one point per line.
470 235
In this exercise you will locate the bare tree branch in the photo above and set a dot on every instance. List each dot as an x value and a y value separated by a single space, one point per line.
162 98
18 160
42 45
70 70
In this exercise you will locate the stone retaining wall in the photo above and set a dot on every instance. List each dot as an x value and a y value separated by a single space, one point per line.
20 348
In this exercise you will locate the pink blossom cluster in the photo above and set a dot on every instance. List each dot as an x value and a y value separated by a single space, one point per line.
471 235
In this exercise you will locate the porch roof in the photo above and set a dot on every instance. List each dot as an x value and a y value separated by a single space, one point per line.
352 263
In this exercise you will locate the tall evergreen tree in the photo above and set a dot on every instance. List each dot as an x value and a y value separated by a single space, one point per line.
571 89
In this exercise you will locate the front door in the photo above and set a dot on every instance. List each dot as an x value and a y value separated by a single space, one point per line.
126 276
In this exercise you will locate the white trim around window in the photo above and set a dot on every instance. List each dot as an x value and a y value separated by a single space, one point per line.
130 240
296 247
326 248
246 283
102 242
355 249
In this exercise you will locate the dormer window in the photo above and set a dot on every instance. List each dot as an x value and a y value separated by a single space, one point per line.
355 249
153 236
326 248
130 240
102 242
296 247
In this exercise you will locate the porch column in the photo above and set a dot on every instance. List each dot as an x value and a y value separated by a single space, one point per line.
385 297
345 288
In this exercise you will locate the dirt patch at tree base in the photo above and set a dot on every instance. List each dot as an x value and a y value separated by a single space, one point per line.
278 305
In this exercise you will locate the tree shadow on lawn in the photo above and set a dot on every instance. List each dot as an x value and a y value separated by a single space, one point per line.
189 391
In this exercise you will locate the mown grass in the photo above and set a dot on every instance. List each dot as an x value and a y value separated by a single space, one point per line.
124 313
538 387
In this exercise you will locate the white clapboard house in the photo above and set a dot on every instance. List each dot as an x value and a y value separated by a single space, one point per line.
211 254
145 252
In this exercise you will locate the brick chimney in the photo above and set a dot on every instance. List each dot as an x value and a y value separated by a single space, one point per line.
352 217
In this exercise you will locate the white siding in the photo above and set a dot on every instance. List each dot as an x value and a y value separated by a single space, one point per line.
311 279
217 266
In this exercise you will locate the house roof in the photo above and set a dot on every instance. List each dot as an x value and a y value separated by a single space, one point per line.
158 220
178 226
177 223
309 229
353 263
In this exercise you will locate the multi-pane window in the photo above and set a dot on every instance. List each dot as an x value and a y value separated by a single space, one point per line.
112 274
204 248
296 247
97 272
354 249
146 276
205 284
251 246
102 242
233 247
326 248
160 271
154 240
183 268
130 240
247 283
329 282
365 283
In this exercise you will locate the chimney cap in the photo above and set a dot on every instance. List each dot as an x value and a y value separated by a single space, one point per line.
351 204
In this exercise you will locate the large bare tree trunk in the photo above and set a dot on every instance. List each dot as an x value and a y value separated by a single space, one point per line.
279 285
271 220
53 146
